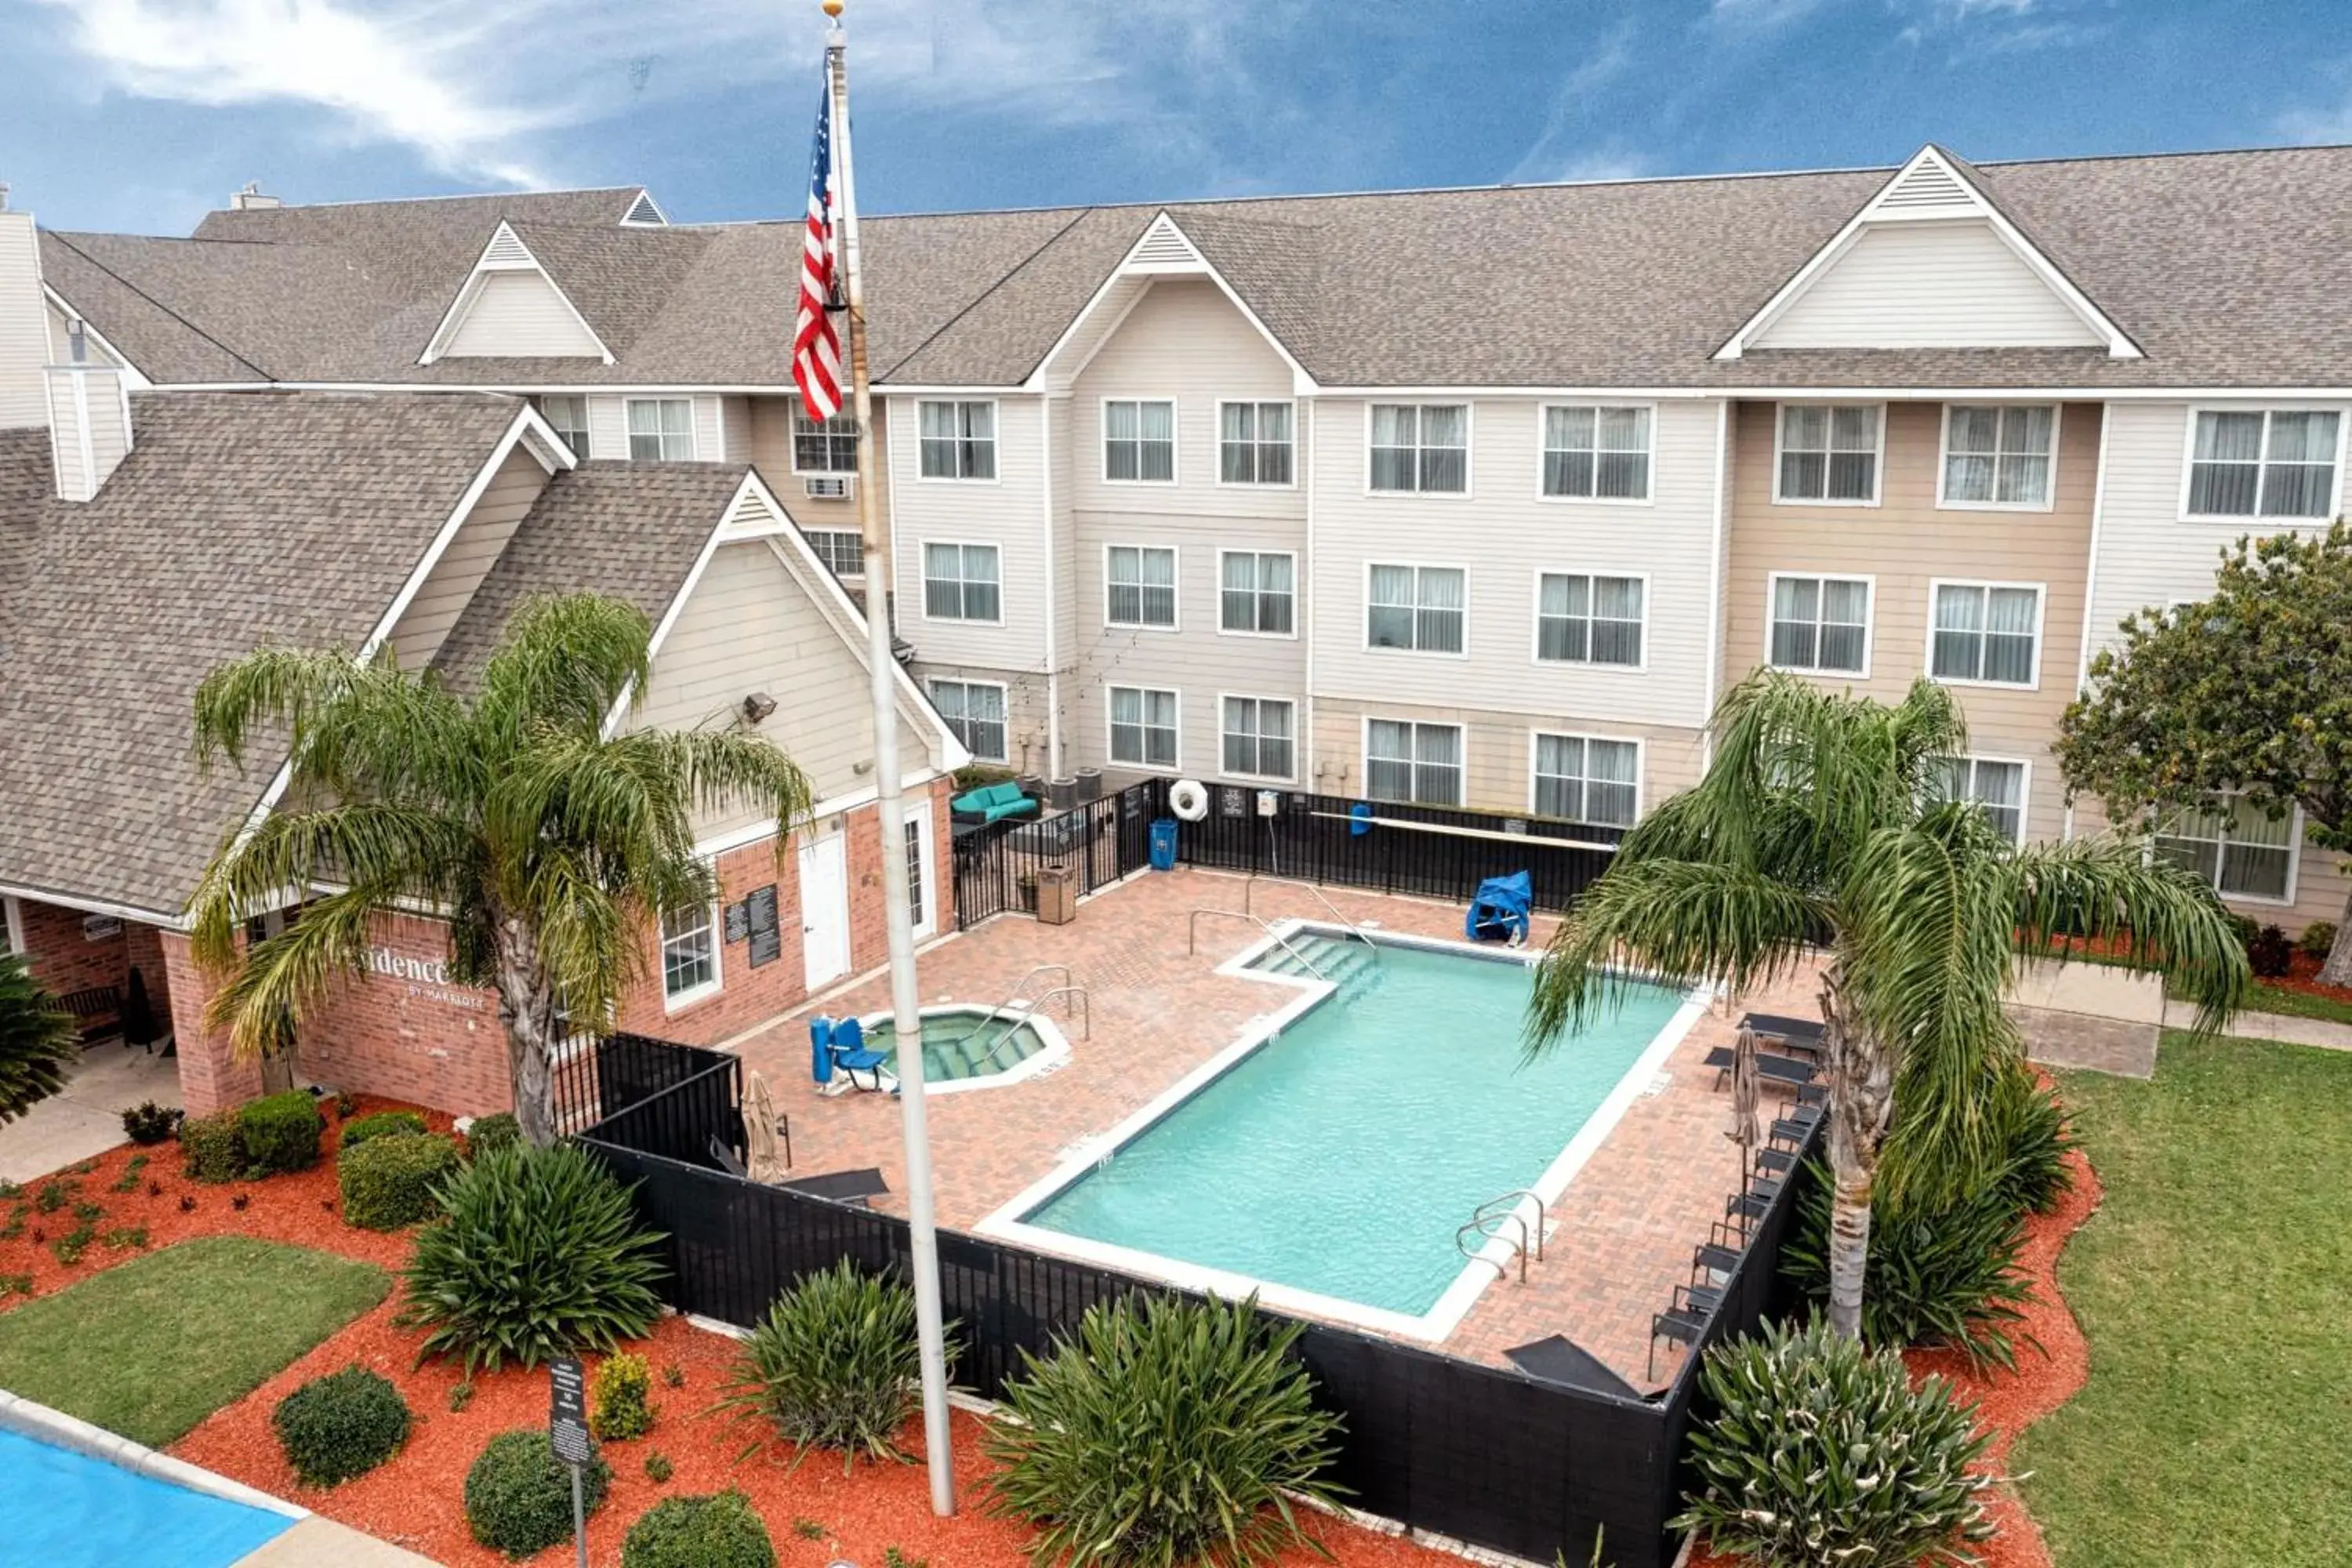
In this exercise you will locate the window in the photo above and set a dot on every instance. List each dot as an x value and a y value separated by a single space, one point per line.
1597 453
975 712
1256 737
1984 633
840 549
1417 762
1585 779
919 917
1260 591
2233 844
1997 455
2268 463
1821 624
1829 454
1139 442
661 430
1142 727
689 953
1998 787
12 927
960 582
1253 443
1421 447
1583 619
957 440
568 415
1417 607
824 447
1139 586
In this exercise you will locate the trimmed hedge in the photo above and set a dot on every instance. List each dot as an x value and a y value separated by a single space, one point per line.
518 1494
213 1148
498 1130
717 1531
388 1181
379 1124
340 1425
281 1132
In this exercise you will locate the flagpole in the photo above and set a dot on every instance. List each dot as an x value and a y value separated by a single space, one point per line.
905 1010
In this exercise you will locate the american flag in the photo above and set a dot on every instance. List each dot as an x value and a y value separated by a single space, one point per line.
817 348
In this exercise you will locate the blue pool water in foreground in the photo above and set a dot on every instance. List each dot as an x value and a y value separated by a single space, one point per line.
63 1510
1342 1156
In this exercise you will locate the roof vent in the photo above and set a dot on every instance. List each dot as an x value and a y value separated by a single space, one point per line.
507 251
1163 247
643 214
250 199
1930 185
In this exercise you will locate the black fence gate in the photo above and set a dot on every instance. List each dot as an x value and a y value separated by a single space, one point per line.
1101 841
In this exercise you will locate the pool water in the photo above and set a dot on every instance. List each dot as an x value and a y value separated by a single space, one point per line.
968 1043
64 1510
1342 1156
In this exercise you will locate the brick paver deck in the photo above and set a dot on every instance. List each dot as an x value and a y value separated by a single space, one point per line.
1625 1228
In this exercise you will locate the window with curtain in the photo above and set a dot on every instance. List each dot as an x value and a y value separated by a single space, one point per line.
1420 448
1983 633
1253 443
1421 763
960 582
2237 847
1142 727
1997 455
956 440
1586 779
1585 619
823 446
1820 625
2262 463
567 414
661 430
1597 453
839 548
974 712
915 892
1256 735
1828 453
690 952
1259 592
1139 586
1997 787
1139 442
1421 608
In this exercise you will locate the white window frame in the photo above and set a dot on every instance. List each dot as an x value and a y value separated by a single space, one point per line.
1869 622
629 434
1364 625
2294 861
1944 503
926 858
799 415
674 1002
1176 763
1175 590
2024 786
1175 441
1935 586
1260 403
1469 449
1296 742
923 579
822 551
1641 769
1780 434
1004 695
2255 520
1292 556
1535 636
1649 495
1364 753
12 925
996 443
579 448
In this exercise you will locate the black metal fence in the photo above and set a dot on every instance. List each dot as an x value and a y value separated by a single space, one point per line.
600 1079
1101 841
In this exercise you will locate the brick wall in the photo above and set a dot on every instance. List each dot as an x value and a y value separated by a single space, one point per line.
63 959
406 1033
210 1078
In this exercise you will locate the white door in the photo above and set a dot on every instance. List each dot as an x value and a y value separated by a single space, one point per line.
825 909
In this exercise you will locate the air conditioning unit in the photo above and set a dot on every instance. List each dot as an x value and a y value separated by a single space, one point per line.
828 486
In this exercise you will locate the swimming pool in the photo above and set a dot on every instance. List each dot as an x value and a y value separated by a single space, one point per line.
1327 1158
65 1509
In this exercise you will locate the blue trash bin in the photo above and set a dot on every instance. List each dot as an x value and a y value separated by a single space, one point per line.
821 1048
1163 845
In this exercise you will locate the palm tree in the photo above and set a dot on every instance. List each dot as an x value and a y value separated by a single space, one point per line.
1822 824
38 1040
546 844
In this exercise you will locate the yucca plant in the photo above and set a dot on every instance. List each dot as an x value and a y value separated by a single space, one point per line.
38 1042
1820 1454
1165 1433
2033 1177
539 1254
834 1364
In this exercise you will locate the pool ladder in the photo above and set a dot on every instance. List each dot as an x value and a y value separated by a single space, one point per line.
1249 895
1024 1011
1192 937
1499 1217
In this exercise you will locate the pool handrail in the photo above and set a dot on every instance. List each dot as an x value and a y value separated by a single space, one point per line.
1249 888
1192 937
1024 1011
1487 1219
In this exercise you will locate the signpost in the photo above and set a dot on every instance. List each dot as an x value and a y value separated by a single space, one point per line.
567 1434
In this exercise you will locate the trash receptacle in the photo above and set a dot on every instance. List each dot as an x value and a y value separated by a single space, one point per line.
1163 845
821 1048
1057 896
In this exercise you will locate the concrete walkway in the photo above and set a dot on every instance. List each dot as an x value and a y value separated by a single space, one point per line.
85 1117
317 1543
2316 1032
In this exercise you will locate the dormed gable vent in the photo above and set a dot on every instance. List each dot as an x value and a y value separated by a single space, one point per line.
1164 248
507 252
1928 185
643 214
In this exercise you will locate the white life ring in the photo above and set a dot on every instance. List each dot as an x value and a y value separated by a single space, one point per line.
1189 799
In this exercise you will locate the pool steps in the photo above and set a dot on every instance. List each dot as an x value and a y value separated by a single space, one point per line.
1350 964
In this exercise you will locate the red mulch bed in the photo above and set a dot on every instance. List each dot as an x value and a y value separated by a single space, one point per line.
2302 974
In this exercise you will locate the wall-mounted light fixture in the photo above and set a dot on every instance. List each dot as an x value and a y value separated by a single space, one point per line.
757 707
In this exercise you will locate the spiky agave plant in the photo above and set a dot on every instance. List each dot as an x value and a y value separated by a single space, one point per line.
37 1040
834 1364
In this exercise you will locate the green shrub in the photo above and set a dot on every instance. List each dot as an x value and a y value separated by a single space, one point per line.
498 1130
617 1407
1164 1436
281 1132
833 1365
67 1248
2034 1134
213 1148
658 1468
518 1494
720 1531
148 1122
2269 954
2319 940
379 1124
340 1425
539 1254
388 1181
1818 1452
55 1193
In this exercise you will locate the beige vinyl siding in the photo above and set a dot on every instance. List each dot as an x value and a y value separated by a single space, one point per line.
1008 512
61 343
24 333
1928 285
1025 711
1498 750
86 408
521 315
734 430
1060 534
767 445
608 426
481 538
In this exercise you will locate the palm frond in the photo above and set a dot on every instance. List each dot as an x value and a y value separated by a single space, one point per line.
284 976
2108 887
731 770
410 851
564 661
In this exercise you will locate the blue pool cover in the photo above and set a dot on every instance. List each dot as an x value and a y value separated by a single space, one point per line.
64 1510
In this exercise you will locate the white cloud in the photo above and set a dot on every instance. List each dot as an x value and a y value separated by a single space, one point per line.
2323 124
1550 157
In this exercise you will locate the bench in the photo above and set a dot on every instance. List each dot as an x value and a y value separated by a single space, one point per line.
98 1009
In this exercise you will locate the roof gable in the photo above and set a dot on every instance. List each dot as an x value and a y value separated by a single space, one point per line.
511 308
644 213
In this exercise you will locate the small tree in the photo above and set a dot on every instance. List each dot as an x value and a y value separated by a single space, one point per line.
38 1040
2249 690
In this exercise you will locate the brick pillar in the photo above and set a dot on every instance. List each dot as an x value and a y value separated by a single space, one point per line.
211 1079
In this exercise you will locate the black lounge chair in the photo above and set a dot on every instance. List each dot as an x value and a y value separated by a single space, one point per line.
1675 1325
1787 1072
1789 1034
727 1159
1775 1162
1562 1361
1797 1127
1713 1259
859 1187
1745 1208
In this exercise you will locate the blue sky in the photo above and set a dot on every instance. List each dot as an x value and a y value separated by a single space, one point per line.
141 114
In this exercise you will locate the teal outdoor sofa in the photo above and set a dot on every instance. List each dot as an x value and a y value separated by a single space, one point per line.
991 803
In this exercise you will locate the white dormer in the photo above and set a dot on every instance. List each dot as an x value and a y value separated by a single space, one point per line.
511 308
1929 262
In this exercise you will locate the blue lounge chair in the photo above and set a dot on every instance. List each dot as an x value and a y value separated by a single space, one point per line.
851 1057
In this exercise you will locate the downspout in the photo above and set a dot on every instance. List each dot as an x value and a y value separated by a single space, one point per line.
1304 588
2090 579
1714 611
1054 769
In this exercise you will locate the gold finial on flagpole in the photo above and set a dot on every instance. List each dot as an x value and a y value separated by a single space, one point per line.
832 8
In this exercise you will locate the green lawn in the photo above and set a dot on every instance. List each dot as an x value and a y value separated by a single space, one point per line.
2268 998
2216 1425
152 1346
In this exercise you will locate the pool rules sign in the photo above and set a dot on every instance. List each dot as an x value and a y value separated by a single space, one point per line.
567 1434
